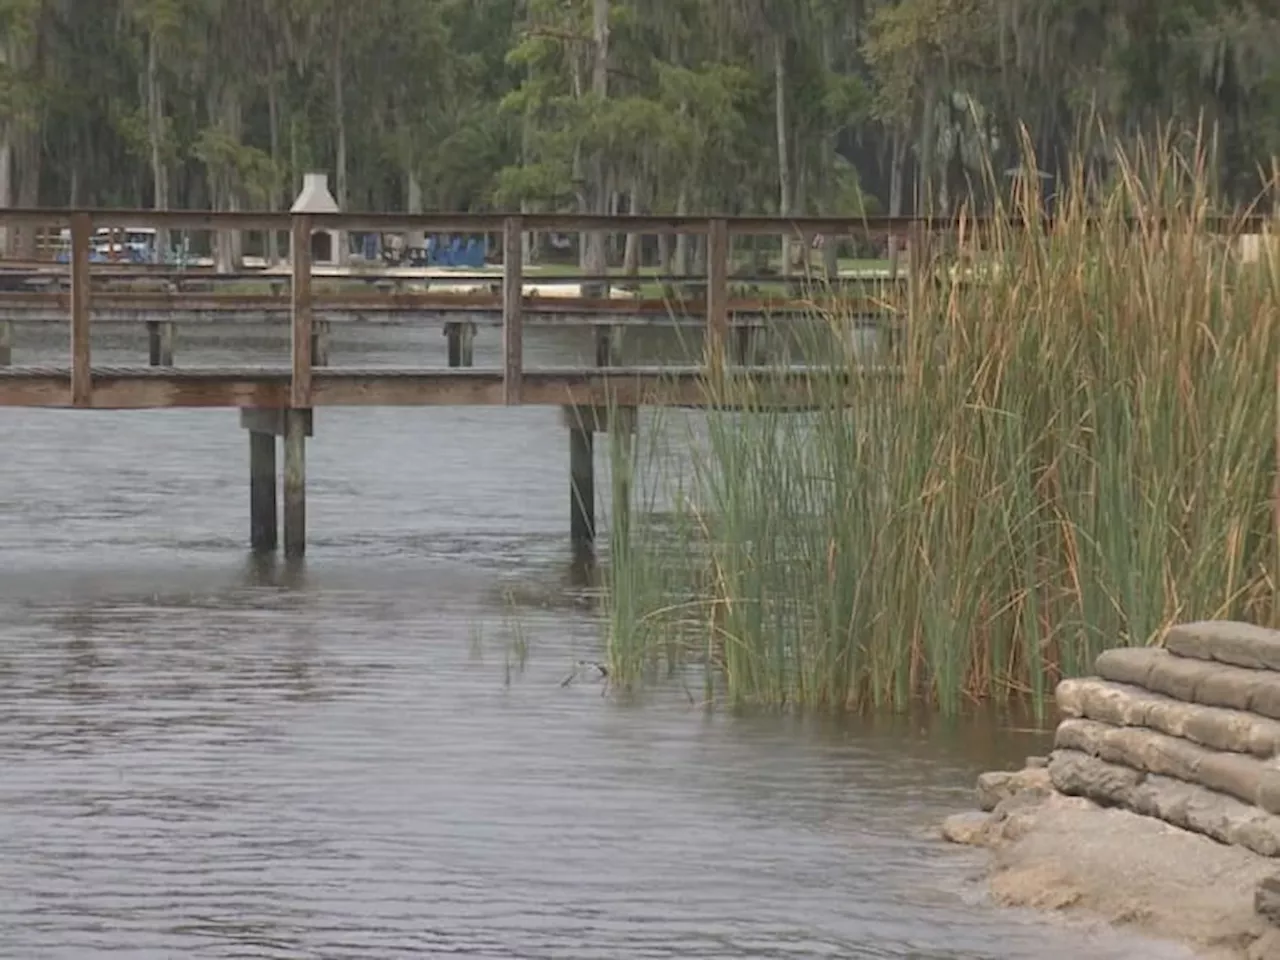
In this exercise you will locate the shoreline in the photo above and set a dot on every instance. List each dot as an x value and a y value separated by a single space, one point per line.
1069 855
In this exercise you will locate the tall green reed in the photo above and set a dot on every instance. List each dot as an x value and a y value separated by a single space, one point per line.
1074 448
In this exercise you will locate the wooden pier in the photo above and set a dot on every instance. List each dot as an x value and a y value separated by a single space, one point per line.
280 401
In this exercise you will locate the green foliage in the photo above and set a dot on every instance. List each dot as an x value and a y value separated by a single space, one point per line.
484 103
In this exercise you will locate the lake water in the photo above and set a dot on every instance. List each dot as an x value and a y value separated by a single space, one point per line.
371 756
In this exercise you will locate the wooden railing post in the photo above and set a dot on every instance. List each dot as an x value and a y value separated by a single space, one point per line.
300 256
81 363
512 310
717 294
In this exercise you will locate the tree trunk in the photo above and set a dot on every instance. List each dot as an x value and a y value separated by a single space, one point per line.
831 244
415 238
21 148
29 161
6 184
800 207
7 133
681 265
895 196
595 259
235 129
528 240
928 140
631 255
155 134
224 110
273 118
340 130
781 129
576 174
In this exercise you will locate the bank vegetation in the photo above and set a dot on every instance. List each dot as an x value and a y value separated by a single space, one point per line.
1076 449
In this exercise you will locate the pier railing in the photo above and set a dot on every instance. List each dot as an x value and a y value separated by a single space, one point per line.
508 301
278 402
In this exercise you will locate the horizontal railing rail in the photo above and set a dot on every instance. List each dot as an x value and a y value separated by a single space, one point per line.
583 223
14 304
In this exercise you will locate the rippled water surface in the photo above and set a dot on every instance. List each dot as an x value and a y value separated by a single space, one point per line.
371 756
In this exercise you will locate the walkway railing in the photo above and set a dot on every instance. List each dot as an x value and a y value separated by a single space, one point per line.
718 233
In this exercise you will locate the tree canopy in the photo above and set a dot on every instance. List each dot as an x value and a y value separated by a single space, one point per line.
736 106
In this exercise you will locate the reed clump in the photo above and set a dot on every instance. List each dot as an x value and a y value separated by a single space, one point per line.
1076 449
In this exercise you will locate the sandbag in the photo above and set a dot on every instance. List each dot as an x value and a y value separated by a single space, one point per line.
1123 705
1200 681
1226 641
1129 665
1186 805
1148 751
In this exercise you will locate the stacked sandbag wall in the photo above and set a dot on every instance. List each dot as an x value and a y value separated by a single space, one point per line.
1188 733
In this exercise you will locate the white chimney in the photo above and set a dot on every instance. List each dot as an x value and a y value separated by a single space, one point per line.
315 196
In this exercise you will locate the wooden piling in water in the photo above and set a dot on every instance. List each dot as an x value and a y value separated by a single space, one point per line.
622 451
319 343
295 481
608 340
583 423
746 345
160 335
264 425
582 485
264 525
461 336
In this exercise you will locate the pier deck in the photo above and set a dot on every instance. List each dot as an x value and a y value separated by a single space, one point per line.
279 401
146 387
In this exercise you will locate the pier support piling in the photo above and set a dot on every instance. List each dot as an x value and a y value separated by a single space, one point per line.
582 485
746 345
461 336
264 425
264 526
622 460
608 345
296 427
160 342
319 343
583 424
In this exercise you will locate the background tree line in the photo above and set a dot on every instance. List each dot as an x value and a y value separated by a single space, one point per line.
760 106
